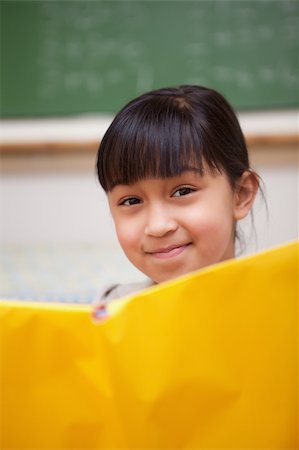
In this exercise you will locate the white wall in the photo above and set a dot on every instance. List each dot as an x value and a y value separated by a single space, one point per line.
53 208
276 216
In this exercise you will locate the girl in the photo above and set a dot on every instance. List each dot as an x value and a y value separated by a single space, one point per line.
174 165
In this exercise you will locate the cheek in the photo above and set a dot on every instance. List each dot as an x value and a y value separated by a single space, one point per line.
211 223
127 235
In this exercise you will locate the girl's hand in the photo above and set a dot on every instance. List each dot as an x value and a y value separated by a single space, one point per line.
99 312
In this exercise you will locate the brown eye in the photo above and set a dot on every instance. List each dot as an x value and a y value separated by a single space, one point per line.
130 201
183 191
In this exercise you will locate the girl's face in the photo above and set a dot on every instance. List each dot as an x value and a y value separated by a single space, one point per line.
169 227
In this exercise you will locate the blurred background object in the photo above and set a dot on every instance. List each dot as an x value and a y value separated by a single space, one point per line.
67 67
73 57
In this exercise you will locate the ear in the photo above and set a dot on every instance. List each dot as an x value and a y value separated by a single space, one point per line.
245 192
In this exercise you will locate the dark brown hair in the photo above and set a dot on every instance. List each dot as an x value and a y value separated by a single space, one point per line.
165 131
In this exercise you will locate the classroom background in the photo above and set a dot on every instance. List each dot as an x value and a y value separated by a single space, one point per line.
67 67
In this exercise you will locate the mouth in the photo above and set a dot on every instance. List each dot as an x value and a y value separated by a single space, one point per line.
169 252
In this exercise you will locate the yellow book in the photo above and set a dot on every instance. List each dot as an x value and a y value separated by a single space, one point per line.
206 361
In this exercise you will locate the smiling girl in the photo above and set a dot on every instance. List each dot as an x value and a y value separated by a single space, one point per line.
175 167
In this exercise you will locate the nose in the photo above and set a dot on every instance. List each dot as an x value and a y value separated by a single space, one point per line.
159 222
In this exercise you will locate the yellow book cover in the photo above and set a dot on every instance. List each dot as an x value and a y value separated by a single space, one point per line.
206 361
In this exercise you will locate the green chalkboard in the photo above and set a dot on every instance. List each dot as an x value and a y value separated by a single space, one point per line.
70 57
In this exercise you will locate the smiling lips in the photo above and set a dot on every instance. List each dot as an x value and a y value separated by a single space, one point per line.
168 252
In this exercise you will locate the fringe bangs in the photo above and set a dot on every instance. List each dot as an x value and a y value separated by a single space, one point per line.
156 144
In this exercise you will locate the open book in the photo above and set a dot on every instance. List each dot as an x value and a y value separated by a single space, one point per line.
208 360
